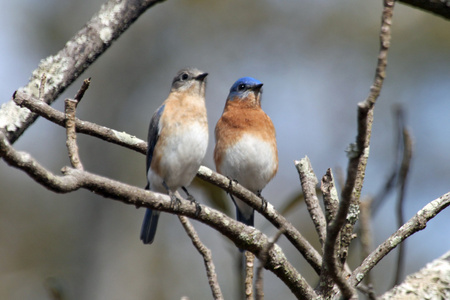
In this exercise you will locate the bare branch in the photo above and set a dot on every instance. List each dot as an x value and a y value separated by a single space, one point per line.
70 107
207 257
402 179
358 155
270 213
333 267
331 204
249 273
245 237
71 141
393 179
85 127
206 174
431 282
309 182
416 223
259 289
113 18
330 195
359 152
82 90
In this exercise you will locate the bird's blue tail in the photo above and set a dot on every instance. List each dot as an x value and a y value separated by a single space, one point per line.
250 220
149 225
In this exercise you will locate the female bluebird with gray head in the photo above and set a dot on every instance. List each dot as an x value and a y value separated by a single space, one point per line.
246 148
177 142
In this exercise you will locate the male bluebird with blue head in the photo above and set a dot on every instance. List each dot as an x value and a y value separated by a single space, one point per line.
246 148
177 142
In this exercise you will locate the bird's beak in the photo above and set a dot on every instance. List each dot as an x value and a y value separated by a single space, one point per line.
201 77
257 88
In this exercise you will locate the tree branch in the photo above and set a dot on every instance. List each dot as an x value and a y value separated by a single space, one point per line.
416 223
109 135
331 204
244 237
431 282
207 257
402 179
71 141
270 213
113 18
70 107
309 181
259 290
330 195
249 259
204 173
359 152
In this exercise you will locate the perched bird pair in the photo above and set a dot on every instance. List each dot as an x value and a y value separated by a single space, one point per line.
245 149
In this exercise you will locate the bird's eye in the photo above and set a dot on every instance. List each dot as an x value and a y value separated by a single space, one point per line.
184 76
241 87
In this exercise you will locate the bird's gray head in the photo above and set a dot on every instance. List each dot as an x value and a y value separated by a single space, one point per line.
190 80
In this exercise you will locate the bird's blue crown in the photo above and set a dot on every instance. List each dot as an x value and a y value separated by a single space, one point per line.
249 81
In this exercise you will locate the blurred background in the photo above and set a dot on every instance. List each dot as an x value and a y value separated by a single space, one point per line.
317 61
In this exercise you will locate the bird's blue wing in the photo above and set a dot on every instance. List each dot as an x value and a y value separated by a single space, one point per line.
153 134
150 223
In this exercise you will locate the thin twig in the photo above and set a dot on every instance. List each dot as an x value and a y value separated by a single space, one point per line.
309 182
333 267
82 90
259 286
110 135
71 142
358 154
70 107
249 274
416 223
330 195
402 179
331 205
207 257
392 180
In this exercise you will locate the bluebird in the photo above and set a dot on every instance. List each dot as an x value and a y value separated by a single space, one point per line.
177 142
246 148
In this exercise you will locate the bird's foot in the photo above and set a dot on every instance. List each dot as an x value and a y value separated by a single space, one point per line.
198 208
263 201
174 200
230 183
191 198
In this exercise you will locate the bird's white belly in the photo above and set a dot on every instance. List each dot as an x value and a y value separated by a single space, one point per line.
251 161
182 158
